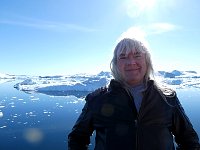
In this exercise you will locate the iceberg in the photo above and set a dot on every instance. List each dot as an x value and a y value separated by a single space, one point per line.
82 84
78 85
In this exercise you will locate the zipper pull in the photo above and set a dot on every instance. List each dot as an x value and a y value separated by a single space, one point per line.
136 123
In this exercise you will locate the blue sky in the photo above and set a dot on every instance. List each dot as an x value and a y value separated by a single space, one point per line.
48 37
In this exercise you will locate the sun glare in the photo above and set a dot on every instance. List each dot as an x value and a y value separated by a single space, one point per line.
136 7
146 4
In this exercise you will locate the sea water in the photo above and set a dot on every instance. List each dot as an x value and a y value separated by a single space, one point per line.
30 121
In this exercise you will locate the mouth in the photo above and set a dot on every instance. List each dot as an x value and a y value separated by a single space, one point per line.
132 69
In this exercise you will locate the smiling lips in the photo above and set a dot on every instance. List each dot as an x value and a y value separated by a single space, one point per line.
133 69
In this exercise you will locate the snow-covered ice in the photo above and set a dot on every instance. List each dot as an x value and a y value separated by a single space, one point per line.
70 84
64 85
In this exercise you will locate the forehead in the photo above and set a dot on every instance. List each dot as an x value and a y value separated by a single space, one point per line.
128 51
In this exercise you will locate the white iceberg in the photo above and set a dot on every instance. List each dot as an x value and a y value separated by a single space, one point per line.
84 83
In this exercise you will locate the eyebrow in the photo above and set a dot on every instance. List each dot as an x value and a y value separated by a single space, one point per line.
125 53
122 54
137 52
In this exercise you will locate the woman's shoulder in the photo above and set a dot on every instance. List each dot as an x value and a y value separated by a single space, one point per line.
164 90
97 93
168 94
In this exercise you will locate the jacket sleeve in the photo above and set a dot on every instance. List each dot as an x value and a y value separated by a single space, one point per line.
185 135
79 137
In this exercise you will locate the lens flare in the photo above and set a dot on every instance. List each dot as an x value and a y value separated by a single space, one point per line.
33 135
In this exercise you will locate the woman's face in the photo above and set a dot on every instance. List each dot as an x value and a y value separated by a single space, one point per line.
132 66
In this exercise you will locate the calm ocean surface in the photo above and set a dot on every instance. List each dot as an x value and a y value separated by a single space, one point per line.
42 122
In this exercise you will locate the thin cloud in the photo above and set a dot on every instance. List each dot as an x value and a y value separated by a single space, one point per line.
142 32
136 32
159 28
47 25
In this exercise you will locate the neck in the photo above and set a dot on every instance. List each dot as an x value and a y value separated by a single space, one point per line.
133 84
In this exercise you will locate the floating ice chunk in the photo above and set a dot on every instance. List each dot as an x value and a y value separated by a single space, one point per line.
23 85
174 82
1 114
28 82
34 99
3 127
2 106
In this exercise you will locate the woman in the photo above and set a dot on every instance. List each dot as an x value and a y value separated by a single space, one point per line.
133 113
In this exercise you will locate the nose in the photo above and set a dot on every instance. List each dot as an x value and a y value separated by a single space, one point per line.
131 61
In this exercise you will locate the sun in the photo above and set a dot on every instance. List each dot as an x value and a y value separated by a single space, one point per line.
146 4
137 7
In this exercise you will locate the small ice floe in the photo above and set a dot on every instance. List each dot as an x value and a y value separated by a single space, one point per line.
34 99
48 113
31 114
3 127
1 114
1 106
76 111
174 81
25 123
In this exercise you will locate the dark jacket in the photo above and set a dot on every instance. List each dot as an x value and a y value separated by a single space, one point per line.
112 113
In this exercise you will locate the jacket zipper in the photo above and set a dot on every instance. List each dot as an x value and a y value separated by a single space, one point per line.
136 124
136 120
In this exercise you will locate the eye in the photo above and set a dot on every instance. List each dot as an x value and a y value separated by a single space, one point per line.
122 56
137 55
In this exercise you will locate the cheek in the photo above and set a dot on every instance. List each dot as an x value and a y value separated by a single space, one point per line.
120 66
144 66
